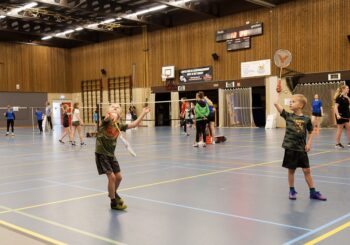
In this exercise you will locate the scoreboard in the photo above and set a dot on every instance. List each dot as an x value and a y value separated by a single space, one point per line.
239 32
238 43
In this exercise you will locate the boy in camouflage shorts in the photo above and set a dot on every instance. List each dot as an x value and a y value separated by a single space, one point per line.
296 145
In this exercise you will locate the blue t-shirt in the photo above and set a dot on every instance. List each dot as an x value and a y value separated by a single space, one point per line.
316 106
39 115
10 115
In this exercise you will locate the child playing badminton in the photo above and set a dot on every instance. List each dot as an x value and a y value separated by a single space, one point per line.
296 145
106 142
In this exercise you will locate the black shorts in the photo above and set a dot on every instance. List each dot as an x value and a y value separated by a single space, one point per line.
66 125
211 118
342 121
295 159
106 164
317 114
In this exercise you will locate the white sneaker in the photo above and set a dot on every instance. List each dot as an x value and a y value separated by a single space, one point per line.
13 134
213 142
201 143
195 144
7 133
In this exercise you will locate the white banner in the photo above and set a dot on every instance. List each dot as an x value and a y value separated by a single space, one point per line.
256 68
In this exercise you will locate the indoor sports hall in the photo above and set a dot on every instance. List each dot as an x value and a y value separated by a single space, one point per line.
167 122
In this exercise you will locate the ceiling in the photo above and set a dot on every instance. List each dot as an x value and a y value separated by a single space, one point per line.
73 23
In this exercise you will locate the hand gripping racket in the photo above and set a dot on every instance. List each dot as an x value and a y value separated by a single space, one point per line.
282 59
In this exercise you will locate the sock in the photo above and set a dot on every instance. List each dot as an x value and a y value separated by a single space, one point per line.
291 189
312 190
117 196
113 202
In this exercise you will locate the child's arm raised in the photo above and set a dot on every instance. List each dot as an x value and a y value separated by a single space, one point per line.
139 119
278 106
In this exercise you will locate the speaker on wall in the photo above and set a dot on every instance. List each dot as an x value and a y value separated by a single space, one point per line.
103 72
215 56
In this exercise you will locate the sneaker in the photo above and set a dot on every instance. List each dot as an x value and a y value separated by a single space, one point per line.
213 142
13 134
349 144
82 143
317 196
119 205
195 144
73 143
7 133
61 141
293 195
339 146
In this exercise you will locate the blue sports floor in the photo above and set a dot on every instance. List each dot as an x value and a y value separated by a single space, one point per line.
230 193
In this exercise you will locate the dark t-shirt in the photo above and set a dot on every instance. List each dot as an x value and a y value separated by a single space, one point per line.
296 127
106 140
343 107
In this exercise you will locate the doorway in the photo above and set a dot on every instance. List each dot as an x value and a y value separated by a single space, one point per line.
162 110
259 106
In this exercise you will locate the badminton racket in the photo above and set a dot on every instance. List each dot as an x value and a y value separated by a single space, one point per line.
125 142
282 59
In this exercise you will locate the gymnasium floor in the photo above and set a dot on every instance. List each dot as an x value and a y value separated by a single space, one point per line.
231 193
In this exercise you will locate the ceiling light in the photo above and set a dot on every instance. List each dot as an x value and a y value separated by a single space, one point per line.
119 18
30 5
2 16
67 32
262 3
79 28
183 1
107 21
46 38
148 10
27 6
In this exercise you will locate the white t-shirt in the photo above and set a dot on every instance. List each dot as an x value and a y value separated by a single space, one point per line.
76 114
48 111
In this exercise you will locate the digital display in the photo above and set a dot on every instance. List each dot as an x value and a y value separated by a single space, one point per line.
239 32
238 43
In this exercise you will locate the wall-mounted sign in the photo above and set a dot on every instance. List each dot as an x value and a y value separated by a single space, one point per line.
241 31
199 74
230 84
256 68
238 43
334 77
181 88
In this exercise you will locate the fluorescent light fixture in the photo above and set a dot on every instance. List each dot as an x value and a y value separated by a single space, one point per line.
148 10
46 38
27 6
79 28
2 16
67 32
183 1
107 21
119 18
62 97
30 5
92 25
262 3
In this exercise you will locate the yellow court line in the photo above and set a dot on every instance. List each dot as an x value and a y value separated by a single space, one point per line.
105 239
148 185
328 234
31 233
331 163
